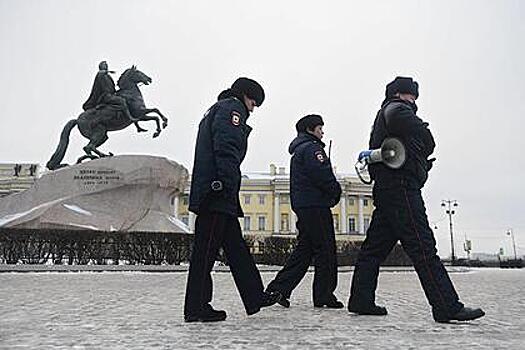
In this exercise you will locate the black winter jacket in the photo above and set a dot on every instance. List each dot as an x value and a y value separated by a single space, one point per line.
222 142
397 118
312 181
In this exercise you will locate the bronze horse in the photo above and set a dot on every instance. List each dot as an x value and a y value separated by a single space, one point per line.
95 123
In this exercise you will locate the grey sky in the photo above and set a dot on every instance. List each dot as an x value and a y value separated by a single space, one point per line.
327 57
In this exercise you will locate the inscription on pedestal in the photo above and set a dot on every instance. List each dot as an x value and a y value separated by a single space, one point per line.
90 178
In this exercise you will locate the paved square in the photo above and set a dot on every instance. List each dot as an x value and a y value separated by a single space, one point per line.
132 310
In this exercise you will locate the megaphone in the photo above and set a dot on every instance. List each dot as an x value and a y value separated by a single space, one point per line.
392 153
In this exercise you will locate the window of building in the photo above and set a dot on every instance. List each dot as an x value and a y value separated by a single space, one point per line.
185 200
351 224
285 222
247 198
365 202
262 223
247 223
254 248
351 201
261 199
366 223
335 217
185 219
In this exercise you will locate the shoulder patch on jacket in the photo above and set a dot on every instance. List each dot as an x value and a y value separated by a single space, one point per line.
236 118
320 157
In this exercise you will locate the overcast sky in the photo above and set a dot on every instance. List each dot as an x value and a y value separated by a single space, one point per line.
327 57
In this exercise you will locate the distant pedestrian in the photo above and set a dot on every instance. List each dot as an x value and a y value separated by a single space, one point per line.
400 214
314 190
221 145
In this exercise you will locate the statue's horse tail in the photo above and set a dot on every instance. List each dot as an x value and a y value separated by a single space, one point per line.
56 158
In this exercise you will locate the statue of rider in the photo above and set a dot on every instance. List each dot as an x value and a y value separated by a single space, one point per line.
103 93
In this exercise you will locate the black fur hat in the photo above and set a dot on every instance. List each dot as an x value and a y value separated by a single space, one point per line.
250 88
404 85
308 122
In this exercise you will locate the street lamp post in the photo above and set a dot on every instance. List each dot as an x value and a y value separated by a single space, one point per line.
448 204
511 234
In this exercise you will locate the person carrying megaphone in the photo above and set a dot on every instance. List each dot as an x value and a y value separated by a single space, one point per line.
399 213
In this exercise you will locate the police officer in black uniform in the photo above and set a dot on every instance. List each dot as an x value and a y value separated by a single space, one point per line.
314 190
399 213
221 145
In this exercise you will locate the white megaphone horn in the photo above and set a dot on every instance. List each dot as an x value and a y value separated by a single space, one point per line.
392 153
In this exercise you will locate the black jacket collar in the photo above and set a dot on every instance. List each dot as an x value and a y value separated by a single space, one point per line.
303 137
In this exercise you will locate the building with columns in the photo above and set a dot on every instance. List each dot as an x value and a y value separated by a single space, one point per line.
265 199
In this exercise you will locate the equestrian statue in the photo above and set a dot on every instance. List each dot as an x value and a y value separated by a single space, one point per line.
108 109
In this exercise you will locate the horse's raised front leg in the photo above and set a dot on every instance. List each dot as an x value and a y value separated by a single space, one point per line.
164 119
157 121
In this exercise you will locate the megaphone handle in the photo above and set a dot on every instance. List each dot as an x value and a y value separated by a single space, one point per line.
358 172
361 164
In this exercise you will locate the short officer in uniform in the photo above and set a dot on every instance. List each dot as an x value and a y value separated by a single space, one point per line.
221 145
399 213
314 190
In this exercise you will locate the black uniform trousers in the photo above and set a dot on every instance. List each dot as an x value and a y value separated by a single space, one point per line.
316 239
400 215
213 231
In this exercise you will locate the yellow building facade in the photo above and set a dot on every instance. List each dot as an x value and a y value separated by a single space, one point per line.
265 200
264 197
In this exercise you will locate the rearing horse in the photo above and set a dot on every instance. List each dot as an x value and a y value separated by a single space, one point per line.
95 123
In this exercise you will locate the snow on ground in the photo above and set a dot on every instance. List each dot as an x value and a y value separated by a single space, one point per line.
130 310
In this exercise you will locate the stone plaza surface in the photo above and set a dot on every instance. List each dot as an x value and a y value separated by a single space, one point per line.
136 310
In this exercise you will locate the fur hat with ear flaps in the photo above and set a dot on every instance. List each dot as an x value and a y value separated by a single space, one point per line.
245 86
404 85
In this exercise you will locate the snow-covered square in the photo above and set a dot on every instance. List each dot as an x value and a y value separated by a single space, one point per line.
133 310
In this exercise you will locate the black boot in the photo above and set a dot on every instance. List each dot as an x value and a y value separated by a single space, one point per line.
283 301
372 310
331 303
465 314
270 298
207 314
